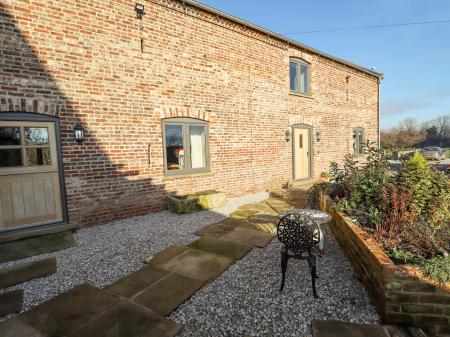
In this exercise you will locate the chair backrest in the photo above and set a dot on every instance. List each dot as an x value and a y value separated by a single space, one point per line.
298 232
311 197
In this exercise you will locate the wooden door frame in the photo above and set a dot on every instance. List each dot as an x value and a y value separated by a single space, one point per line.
310 129
34 117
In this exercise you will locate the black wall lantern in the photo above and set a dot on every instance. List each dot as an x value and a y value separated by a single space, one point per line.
78 132
318 136
287 135
140 10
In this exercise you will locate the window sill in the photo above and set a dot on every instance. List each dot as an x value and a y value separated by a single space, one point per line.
300 95
187 175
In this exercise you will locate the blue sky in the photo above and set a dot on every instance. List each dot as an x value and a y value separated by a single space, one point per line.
414 59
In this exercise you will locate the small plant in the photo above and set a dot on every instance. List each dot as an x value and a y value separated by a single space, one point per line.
325 177
345 206
417 175
438 269
287 185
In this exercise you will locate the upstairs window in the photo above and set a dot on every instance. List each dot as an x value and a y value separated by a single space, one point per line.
358 141
186 146
299 77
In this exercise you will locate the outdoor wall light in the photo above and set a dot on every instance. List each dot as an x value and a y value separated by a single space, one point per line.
318 136
78 132
287 135
139 10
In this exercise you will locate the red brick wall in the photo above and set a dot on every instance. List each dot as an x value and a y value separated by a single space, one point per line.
82 61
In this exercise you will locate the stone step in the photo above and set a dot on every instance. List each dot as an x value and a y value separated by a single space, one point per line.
26 271
35 245
87 311
11 302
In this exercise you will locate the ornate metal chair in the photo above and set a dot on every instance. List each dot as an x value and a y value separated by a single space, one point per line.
311 197
299 235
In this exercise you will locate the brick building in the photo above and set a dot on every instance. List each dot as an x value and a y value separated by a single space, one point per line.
183 99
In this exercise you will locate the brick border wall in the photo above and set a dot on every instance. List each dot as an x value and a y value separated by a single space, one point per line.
401 294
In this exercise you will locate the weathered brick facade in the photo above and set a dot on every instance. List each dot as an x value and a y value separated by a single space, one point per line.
82 61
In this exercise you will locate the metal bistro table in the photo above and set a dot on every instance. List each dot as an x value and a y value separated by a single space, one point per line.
319 217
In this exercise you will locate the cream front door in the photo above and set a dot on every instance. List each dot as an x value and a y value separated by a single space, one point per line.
29 174
301 152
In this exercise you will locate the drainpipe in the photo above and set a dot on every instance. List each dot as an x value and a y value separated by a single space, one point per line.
378 116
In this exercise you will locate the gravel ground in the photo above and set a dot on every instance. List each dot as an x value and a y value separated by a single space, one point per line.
106 253
245 300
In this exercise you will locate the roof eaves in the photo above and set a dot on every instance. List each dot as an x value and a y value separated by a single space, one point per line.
283 38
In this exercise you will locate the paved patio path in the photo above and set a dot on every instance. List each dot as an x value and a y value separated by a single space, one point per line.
137 304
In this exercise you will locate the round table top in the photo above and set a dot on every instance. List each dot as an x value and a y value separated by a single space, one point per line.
320 216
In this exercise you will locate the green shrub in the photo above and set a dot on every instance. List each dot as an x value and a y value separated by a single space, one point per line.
361 183
416 174
447 153
409 211
438 269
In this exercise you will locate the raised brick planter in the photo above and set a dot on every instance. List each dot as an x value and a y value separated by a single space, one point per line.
401 294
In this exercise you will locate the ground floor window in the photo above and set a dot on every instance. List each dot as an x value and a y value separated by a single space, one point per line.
358 141
186 147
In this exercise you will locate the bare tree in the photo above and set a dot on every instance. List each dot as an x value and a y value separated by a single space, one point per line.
442 124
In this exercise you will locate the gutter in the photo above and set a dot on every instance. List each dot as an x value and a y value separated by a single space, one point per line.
206 8
379 113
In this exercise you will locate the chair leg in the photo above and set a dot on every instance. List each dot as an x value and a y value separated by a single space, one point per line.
284 264
313 269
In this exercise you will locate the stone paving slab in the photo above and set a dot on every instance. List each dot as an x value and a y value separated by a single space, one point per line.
27 271
232 250
68 311
11 302
263 218
248 237
87 311
127 319
246 224
279 205
198 264
23 248
165 255
214 230
239 222
16 328
261 207
137 281
340 329
167 294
